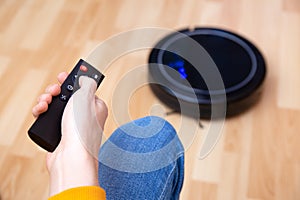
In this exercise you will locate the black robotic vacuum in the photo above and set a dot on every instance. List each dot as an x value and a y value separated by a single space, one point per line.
185 79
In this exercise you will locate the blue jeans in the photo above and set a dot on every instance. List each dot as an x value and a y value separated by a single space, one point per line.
143 159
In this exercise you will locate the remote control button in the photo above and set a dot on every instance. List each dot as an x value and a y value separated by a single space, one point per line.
74 78
70 88
95 76
63 97
83 68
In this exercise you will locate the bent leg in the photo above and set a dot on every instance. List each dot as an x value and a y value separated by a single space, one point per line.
143 159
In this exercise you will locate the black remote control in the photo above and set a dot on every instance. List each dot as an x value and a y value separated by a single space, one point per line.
46 130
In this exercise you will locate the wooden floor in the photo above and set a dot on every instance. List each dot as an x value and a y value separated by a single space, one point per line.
258 156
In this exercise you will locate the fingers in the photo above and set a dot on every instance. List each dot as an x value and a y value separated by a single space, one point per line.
39 108
53 89
42 105
61 77
46 98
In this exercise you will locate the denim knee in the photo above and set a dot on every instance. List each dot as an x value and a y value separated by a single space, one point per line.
142 159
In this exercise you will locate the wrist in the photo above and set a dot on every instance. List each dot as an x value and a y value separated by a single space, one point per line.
68 171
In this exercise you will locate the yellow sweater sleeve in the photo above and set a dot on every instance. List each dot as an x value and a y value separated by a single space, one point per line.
81 193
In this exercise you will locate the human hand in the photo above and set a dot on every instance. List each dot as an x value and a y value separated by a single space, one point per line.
73 162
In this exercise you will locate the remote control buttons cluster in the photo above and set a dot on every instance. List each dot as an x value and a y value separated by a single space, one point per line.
67 89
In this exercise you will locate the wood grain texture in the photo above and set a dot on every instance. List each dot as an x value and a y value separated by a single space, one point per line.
257 157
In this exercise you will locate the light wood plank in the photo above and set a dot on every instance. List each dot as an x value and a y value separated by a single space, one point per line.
41 23
11 118
210 169
289 82
4 61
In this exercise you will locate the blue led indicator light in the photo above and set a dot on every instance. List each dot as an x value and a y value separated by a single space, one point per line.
178 65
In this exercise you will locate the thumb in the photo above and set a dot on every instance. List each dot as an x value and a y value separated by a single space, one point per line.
101 111
87 85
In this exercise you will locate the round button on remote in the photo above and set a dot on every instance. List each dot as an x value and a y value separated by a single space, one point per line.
70 88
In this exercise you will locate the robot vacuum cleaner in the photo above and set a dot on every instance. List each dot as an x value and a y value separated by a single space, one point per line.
185 79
